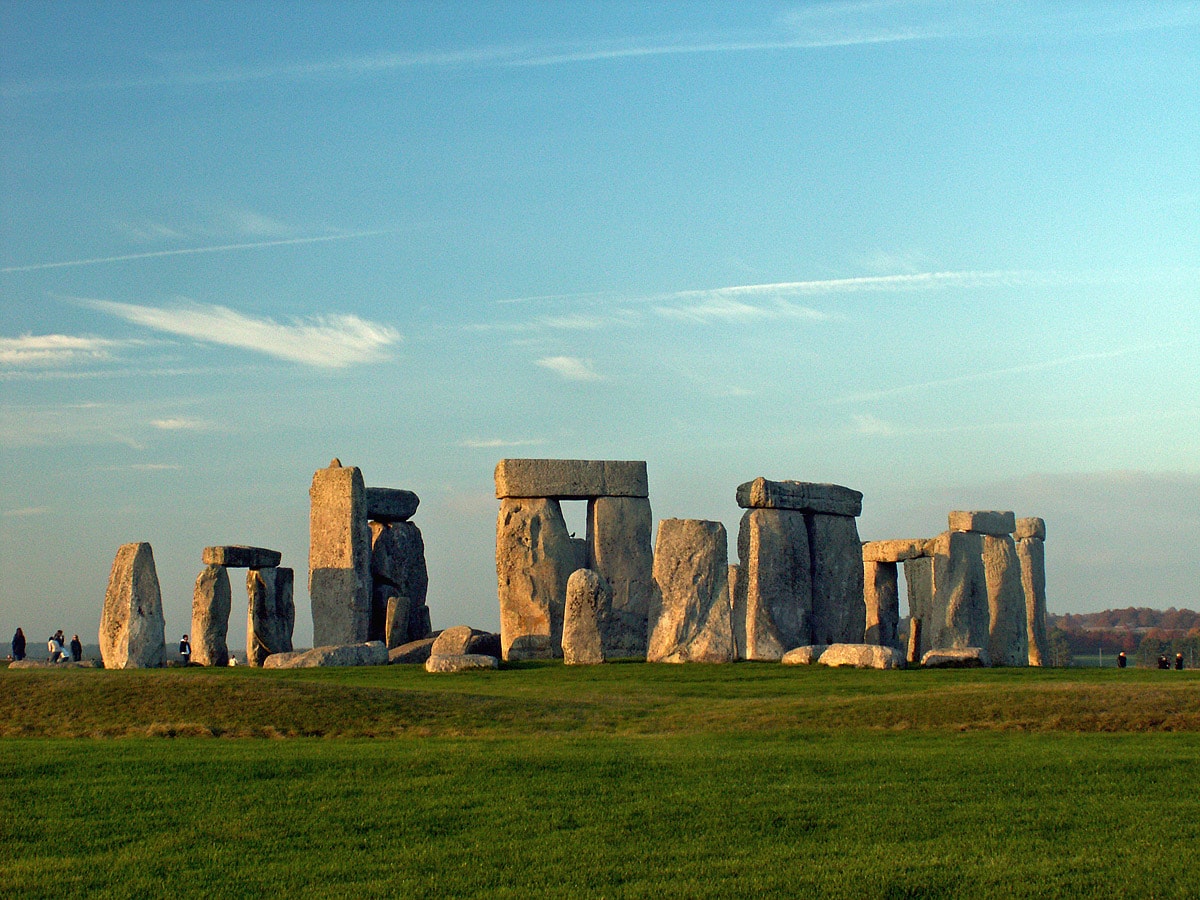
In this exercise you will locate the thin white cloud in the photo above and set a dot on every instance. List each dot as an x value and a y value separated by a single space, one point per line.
570 368
328 342
718 307
155 467
495 443
47 350
25 511
179 423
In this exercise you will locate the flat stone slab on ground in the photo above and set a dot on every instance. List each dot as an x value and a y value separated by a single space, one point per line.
804 656
46 664
571 479
862 656
460 662
947 658
893 551
235 556
372 653
1031 527
983 521
453 641
803 496
412 652
391 504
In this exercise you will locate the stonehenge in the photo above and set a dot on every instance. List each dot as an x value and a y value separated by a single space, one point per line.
270 608
132 630
690 608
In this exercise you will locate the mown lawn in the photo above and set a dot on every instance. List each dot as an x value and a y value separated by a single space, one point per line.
622 781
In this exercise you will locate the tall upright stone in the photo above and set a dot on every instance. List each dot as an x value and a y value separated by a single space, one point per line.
1031 555
270 614
132 630
881 596
772 599
838 613
959 615
211 603
589 600
620 552
1008 628
918 577
397 569
690 610
399 619
535 556
339 559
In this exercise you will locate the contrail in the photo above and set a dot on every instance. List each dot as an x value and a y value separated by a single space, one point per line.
220 248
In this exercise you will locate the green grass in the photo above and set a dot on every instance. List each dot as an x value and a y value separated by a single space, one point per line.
621 781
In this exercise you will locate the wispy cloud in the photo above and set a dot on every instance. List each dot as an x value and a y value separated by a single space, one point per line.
496 443
570 368
716 306
328 342
47 350
179 423
25 512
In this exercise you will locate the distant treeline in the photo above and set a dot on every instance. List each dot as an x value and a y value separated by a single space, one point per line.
1142 634
1133 617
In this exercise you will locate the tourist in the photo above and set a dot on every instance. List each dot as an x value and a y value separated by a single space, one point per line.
1178 662
76 649
1121 660
1163 663
185 650
55 648
18 645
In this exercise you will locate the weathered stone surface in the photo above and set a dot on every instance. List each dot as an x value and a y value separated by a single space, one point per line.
1031 555
211 603
588 603
46 664
690 611
271 613
772 599
570 479
958 614
1008 630
397 617
913 655
236 556
412 652
370 653
391 504
1031 527
838 612
453 641
893 551
951 658
983 522
460 663
881 595
132 631
803 656
918 576
397 570
339 557
423 626
862 656
619 550
801 496
535 556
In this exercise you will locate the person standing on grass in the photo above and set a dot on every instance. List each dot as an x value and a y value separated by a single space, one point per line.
1178 662
185 650
1121 660
54 647
18 645
76 649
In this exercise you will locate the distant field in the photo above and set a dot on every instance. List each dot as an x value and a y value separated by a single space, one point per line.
627 780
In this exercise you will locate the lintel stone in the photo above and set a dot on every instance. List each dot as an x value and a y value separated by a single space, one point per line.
805 496
391 504
983 522
893 551
570 479
1033 527
239 557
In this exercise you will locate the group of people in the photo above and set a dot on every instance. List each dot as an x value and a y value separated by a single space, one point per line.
56 646
1164 661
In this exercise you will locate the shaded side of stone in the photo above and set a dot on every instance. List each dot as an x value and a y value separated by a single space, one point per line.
690 611
398 569
271 613
372 653
412 652
211 604
391 504
881 597
339 559
838 613
619 550
772 598
132 630
570 479
398 617
236 556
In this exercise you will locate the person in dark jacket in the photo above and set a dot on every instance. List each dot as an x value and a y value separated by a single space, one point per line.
18 645
76 649
185 650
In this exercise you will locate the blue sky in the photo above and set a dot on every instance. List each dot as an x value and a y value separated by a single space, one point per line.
944 253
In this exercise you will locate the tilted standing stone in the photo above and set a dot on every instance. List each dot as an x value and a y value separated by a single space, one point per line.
339 559
881 594
211 603
838 613
588 602
535 556
1008 631
271 613
1031 554
690 611
398 620
913 656
132 631
397 569
772 599
620 552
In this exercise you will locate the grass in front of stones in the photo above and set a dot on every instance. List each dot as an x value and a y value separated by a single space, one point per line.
625 780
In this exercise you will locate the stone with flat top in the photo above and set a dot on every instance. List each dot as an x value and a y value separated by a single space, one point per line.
893 551
804 496
570 479
236 556
983 522
391 504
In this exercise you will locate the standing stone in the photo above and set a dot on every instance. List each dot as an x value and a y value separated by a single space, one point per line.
772 599
339 558
620 552
588 603
1031 555
398 623
211 603
535 556
689 613
913 656
838 613
918 576
881 595
959 616
397 569
1008 630
271 613
132 631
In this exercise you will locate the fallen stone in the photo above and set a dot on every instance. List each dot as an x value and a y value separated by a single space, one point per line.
838 612
570 479
1031 556
881 595
371 653
271 613
484 643
955 658
893 551
1031 527
588 603
391 504
983 522
862 656
803 656
620 551
412 652
460 663
801 496
211 603
236 556
772 599
46 664
690 611
1008 628
453 641
132 630
339 557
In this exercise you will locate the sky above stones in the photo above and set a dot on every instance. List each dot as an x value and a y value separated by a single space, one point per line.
943 253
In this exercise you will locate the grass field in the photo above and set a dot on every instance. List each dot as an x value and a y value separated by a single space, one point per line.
627 780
